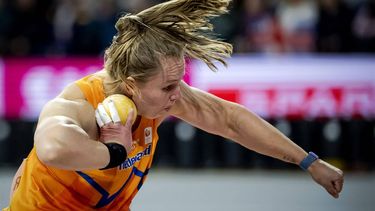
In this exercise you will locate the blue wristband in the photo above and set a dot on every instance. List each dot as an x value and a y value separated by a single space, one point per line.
308 160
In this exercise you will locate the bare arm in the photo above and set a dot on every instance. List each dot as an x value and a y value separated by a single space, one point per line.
61 141
235 122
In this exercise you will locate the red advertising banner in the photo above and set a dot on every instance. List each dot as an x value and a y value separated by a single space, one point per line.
295 87
291 87
305 101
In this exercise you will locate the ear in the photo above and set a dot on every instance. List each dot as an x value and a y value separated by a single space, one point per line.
129 86
131 80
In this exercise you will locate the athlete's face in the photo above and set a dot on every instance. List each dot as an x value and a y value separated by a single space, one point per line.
161 91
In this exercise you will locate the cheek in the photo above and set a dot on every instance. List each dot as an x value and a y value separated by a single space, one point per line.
153 99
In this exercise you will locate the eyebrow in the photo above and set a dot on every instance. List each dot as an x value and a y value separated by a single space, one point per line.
172 81
176 80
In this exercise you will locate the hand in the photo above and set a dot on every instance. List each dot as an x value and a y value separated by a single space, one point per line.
328 176
111 129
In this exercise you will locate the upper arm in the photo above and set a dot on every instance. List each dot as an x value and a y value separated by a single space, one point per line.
69 111
60 123
205 111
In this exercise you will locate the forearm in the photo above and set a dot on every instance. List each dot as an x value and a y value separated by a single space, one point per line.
81 155
256 134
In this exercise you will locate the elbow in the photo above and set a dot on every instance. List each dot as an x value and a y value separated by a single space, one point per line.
49 153
49 145
235 113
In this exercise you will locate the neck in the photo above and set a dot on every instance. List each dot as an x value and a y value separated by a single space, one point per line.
109 86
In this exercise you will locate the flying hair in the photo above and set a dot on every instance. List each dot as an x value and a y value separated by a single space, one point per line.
186 21
174 28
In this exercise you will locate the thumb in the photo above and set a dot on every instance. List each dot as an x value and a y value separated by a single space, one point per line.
338 185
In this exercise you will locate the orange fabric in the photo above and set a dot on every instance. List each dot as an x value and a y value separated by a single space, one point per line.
47 188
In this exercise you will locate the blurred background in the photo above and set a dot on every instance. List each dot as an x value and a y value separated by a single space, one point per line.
307 67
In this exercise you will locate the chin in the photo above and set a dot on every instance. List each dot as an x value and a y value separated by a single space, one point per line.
158 115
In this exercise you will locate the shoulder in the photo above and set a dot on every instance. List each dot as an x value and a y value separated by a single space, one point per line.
70 103
190 101
72 92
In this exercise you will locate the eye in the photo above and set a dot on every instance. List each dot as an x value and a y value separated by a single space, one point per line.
169 88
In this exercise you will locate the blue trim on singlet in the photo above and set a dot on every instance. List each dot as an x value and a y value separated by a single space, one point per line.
106 198
92 182
142 179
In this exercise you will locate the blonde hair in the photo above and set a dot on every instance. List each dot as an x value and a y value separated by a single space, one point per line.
174 28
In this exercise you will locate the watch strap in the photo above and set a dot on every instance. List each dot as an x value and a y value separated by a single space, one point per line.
308 160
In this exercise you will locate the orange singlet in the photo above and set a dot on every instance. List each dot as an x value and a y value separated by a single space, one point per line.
47 188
